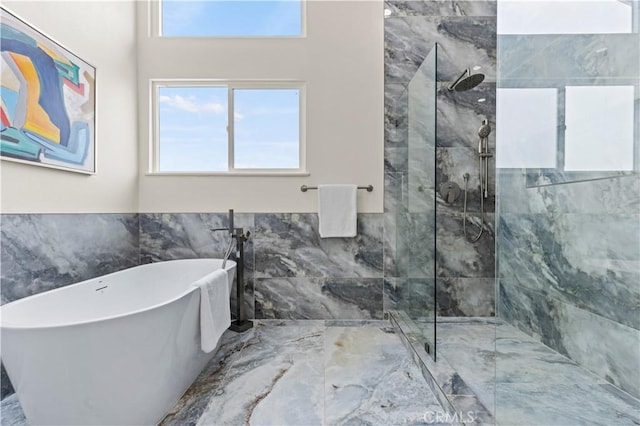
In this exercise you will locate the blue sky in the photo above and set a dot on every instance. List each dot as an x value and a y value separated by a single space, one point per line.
193 120
231 18
193 128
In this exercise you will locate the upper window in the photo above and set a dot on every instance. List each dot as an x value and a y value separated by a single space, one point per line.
565 17
209 128
231 18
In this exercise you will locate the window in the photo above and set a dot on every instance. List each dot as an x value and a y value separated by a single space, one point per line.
565 17
526 128
230 18
227 128
599 133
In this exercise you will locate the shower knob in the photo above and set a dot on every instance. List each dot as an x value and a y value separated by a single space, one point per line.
450 191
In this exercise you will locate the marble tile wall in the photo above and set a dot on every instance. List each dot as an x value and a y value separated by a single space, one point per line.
290 273
40 252
569 270
466 35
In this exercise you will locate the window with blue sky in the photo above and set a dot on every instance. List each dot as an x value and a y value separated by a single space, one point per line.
194 135
225 18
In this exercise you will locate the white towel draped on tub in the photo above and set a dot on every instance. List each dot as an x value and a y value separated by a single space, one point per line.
337 212
215 312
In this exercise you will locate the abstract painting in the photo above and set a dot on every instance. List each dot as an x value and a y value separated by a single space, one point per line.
47 112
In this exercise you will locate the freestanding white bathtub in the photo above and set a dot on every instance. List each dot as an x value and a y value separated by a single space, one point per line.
117 349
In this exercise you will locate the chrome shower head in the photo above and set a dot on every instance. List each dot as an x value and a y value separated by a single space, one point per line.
466 81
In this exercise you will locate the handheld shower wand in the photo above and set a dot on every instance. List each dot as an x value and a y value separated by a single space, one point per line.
483 173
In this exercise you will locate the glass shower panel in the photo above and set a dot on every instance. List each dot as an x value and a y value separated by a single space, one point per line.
567 248
416 219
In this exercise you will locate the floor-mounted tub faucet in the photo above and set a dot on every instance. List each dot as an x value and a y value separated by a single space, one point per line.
237 238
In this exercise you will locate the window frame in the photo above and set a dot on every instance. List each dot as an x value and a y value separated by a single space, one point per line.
231 85
155 26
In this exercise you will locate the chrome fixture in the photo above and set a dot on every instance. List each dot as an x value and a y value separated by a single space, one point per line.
466 81
237 238
483 169
305 188
449 191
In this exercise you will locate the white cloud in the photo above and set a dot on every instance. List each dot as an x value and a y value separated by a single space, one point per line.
238 116
190 104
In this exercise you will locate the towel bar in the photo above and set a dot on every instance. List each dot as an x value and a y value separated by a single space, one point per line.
305 188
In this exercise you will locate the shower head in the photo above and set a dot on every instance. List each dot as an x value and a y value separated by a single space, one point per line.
466 81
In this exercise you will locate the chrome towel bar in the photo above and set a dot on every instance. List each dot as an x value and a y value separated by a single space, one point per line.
305 188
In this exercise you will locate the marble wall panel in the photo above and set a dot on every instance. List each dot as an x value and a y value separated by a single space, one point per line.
41 252
549 60
170 236
452 164
318 298
591 261
605 196
458 257
289 245
607 348
465 297
441 8
463 42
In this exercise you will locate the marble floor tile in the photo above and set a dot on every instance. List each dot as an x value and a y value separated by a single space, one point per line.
11 412
520 381
370 379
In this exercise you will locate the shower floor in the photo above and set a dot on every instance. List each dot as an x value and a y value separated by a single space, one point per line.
302 373
535 384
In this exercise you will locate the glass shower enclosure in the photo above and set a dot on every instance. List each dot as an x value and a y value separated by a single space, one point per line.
416 209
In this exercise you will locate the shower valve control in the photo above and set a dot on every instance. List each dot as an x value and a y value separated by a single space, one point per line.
450 191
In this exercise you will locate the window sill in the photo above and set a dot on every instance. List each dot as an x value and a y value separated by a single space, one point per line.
296 173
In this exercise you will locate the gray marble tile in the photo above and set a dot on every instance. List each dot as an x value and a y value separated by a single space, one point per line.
277 380
11 413
464 42
415 235
456 256
413 296
460 115
389 245
465 296
557 404
41 252
608 349
592 59
395 182
288 245
370 379
452 164
441 8
193 403
588 260
319 298
471 411
395 115
606 196
381 324
169 236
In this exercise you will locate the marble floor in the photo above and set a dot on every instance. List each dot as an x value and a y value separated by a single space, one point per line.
302 373
523 382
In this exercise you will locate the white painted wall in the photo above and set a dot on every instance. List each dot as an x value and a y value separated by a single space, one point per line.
341 61
102 33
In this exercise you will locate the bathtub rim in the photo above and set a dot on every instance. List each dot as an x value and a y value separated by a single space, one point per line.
231 265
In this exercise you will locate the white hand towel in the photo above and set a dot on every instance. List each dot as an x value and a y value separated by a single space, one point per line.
215 312
337 210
